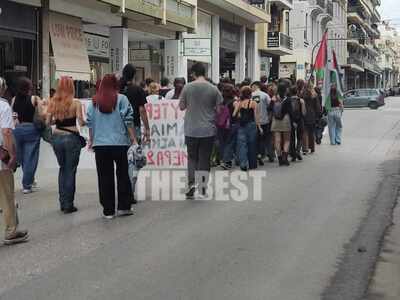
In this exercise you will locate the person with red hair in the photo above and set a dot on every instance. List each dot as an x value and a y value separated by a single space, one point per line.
64 111
111 131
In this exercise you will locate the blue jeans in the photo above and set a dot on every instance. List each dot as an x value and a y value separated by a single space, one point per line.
27 139
230 146
247 145
335 126
67 149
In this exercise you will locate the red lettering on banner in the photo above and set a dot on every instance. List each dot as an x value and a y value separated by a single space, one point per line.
150 160
160 159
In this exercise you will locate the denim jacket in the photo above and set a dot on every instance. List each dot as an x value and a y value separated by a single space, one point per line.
111 129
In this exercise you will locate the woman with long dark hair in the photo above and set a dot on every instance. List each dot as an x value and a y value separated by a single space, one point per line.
246 110
281 127
27 135
64 111
335 112
111 131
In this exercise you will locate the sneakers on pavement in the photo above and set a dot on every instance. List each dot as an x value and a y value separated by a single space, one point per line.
125 213
16 237
190 192
27 191
70 210
108 217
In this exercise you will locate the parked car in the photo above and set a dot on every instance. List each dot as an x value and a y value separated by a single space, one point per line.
371 98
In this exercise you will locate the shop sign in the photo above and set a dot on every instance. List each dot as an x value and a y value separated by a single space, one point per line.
139 55
286 70
197 47
171 59
98 46
230 36
69 47
273 39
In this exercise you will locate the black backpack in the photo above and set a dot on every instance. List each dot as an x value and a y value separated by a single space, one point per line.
296 109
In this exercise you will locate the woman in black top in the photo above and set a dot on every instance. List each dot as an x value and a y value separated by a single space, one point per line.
27 136
246 110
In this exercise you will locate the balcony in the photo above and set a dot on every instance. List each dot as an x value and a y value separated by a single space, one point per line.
165 12
355 14
355 64
285 4
254 14
278 43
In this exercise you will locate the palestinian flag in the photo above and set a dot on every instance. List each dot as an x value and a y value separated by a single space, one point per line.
334 78
335 74
321 60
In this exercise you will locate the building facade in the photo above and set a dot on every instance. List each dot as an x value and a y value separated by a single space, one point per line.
362 69
161 38
310 19
389 59
274 40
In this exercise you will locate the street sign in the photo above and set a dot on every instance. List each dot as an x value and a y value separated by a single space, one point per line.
197 47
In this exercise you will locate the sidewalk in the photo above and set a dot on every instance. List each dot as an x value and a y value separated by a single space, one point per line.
385 285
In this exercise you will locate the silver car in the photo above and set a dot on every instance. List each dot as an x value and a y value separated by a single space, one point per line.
371 98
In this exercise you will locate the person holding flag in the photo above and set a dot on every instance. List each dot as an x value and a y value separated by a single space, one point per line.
328 77
334 103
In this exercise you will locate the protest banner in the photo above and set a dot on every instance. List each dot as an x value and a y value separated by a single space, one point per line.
167 147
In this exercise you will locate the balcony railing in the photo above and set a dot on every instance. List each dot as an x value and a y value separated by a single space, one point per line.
279 39
355 61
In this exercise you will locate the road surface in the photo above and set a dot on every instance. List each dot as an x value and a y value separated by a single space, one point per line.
292 245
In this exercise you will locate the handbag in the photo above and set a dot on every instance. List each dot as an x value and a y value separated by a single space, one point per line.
82 140
4 155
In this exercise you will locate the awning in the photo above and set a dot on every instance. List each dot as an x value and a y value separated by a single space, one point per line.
69 47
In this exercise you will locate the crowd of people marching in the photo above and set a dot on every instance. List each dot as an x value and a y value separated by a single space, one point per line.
226 125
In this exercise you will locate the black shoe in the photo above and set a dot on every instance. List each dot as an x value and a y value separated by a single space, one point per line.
280 160
71 210
318 141
285 161
17 237
299 157
226 166
294 158
260 162
190 192
244 169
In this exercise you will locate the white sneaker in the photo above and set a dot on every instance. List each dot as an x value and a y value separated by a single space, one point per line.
27 191
111 217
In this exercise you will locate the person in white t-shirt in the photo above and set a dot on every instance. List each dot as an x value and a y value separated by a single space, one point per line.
7 167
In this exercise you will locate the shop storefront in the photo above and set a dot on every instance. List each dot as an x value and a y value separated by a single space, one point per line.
69 56
18 43
229 49
197 47
98 49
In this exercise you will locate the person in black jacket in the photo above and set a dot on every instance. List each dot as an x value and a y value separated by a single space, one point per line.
297 118
313 111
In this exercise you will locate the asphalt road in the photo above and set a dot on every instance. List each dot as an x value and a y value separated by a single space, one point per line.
289 246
